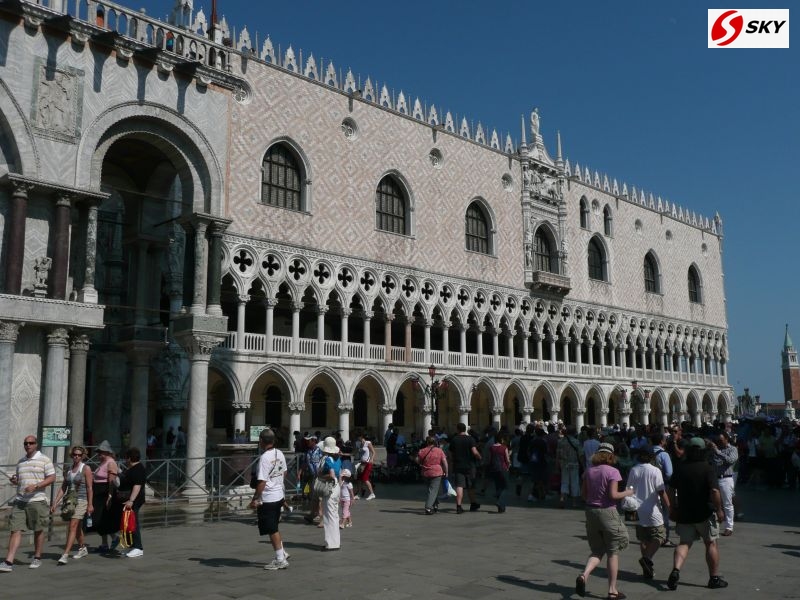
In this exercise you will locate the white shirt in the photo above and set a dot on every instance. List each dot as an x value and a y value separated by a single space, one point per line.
647 481
271 469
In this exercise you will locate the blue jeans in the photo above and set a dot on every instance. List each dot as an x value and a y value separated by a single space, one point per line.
500 479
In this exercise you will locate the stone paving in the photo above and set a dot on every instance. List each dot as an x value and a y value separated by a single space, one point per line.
394 552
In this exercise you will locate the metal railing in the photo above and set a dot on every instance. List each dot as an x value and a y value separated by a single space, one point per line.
217 488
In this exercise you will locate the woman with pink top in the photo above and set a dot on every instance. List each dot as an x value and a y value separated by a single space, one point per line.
605 530
433 464
105 519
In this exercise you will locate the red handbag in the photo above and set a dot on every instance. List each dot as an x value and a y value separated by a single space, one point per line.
127 526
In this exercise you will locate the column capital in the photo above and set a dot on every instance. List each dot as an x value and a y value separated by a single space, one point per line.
270 302
344 408
65 199
58 337
321 310
9 331
580 411
527 411
346 312
298 306
386 409
428 323
367 315
297 406
446 324
79 343
240 405
497 411
20 188
389 317
199 346
481 328
243 298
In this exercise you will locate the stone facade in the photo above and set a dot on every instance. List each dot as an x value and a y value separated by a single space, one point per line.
134 232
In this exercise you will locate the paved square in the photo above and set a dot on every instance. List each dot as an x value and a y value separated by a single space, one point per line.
395 552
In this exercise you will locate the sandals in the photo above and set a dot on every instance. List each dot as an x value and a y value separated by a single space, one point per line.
580 586
616 596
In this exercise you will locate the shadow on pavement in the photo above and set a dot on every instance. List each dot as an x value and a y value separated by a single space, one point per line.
223 562
551 588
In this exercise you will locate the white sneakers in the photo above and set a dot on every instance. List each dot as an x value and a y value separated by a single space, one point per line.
63 560
371 497
276 564
82 551
135 553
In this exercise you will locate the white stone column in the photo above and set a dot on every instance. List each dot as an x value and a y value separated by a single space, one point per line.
427 348
590 354
579 418
387 337
511 349
479 334
603 417
296 308
367 340
463 344
565 347
497 417
427 420
446 343
407 340
9 331
386 412
527 414
54 412
578 352
199 348
539 352
463 417
270 304
345 353
613 354
553 353
321 310
495 347
623 355
240 416
344 420
88 292
295 408
525 356
200 268
240 312
602 352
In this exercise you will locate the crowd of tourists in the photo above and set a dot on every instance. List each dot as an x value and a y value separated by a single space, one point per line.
89 501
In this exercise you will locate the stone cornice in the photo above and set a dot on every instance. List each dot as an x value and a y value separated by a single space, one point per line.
54 188
47 311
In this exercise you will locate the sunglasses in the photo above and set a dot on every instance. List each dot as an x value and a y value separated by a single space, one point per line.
28 443
77 455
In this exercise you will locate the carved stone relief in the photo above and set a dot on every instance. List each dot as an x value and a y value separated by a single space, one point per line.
57 101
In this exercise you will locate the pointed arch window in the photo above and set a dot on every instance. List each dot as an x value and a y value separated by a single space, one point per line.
584 213
651 275
695 289
390 206
608 221
597 261
281 177
477 229
542 253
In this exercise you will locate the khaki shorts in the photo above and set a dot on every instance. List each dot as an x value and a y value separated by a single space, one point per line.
29 515
606 531
80 510
707 530
651 533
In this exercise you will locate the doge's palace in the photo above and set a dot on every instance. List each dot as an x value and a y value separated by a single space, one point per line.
202 230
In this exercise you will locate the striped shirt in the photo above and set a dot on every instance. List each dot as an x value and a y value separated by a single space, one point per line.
32 471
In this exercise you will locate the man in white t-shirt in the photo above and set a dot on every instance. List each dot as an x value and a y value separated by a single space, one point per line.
35 472
648 486
268 496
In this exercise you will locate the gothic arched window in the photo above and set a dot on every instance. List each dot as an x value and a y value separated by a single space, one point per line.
608 221
281 177
584 213
651 275
542 253
695 288
477 229
390 206
597 261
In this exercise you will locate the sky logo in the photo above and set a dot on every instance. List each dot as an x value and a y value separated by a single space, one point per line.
748 28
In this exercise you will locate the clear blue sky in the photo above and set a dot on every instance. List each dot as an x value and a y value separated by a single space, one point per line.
634 91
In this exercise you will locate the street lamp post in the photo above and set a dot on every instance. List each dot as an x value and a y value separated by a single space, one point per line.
431 392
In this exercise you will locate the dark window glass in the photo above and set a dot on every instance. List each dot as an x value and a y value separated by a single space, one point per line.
607 220
360 408
596 261
390 207
319 408
477 230
584 214
272 412
694 285
542 253
280 178
650 274
399 415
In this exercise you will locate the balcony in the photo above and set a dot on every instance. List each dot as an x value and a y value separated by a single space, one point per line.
544 281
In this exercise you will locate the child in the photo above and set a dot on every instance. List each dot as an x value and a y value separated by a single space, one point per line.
347 497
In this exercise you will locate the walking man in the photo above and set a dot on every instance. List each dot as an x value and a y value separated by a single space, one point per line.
724 456
35 472
693 489
269 494
648 486
464 457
